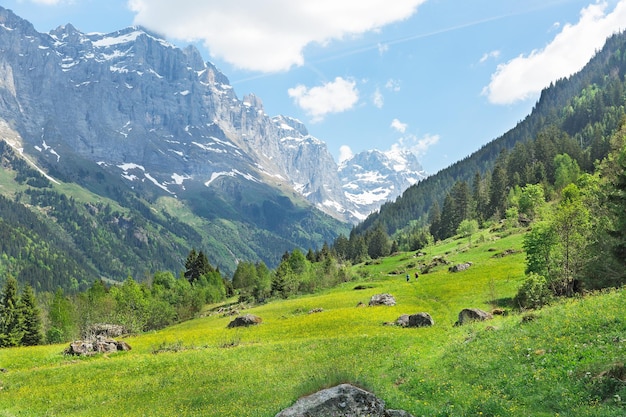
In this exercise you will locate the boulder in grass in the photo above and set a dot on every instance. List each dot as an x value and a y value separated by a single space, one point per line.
245 321
414 320
468 315
421 320
382 300
98 345
341 401
460 267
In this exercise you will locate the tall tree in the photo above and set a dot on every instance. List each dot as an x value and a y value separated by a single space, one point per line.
572 228
62 326
379 244
32 318
196 265
11 320
615 170
498 192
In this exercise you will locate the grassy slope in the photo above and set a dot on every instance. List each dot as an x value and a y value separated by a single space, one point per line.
544 367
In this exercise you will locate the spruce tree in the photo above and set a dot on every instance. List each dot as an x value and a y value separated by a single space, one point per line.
617 203
32 318
10 315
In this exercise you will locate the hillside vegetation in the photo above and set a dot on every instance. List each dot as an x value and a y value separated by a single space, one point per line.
565 359
575 116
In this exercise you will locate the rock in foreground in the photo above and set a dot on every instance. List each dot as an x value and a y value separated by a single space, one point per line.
344 400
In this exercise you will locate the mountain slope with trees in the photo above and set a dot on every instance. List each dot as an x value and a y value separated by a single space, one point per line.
574 116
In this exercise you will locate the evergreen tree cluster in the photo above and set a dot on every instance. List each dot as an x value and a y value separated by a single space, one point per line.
575 116
20 319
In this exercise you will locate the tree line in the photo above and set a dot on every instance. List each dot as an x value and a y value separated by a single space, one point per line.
27 318
160 299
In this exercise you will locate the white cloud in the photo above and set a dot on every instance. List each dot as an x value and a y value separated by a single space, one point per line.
413 143
333 97
393 85
487 55
377 99
398 125
382 48
345 153
525 76
267 36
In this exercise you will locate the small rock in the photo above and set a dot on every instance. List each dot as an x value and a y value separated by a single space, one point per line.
472 314
245 321
414 320
460 267
382 299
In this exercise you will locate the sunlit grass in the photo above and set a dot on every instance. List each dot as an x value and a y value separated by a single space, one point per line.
500 368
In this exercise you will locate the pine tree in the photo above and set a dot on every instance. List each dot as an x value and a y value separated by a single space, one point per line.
197 265
32 318
617 202
11 327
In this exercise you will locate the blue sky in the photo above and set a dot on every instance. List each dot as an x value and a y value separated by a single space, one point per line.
439 77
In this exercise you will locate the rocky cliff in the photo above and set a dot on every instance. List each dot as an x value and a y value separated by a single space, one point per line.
159 115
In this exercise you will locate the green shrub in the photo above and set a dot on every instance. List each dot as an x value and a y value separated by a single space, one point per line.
534 292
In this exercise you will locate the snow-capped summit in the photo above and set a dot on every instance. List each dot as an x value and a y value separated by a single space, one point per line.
153 113
373 177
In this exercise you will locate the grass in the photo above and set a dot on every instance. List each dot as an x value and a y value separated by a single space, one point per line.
567 362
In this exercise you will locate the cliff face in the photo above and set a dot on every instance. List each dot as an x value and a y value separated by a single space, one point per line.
130 101
155 113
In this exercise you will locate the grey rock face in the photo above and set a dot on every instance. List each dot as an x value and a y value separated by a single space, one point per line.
341 401
372 178
155 113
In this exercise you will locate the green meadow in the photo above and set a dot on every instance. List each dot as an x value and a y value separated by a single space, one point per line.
564 360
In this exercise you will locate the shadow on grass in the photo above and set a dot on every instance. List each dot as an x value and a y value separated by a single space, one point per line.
505 302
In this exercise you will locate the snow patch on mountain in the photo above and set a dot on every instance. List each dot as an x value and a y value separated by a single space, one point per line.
373 177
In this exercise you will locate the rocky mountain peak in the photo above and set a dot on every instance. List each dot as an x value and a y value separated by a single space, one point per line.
150 111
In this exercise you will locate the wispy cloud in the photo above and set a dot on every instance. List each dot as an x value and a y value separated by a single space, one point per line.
489 55
267 36
398 126
377 99
525 76
392 85
333 97
416 144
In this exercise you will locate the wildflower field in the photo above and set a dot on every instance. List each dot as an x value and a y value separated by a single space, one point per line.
566 359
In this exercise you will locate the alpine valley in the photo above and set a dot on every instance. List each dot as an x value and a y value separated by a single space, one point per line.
121 152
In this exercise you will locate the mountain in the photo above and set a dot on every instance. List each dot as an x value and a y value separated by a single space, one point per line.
373 177
585 108
144 143
149 138
154 113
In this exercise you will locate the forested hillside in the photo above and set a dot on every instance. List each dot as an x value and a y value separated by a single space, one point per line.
574 116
